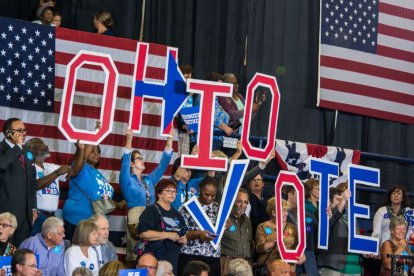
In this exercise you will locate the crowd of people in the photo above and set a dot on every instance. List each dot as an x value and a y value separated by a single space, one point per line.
162 236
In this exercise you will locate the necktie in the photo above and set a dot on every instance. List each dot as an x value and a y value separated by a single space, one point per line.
22 162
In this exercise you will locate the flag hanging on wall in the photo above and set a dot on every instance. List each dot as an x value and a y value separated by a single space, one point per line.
366 58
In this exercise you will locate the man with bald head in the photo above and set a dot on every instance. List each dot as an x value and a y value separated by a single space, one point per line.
149 262
278 268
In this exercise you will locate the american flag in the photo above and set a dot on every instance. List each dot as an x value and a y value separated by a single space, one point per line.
44 75
367 58
295 157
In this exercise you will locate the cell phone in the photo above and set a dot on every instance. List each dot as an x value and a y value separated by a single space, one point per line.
235 125
183 231
9 134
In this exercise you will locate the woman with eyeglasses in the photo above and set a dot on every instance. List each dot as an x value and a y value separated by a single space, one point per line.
8 224
137 189
257 202
163 227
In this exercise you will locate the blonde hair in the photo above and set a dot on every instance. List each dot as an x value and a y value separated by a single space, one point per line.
111 268
10 217
82 232
271 205
105 18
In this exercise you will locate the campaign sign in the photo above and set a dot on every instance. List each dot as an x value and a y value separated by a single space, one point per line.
133 272
5 263
190 116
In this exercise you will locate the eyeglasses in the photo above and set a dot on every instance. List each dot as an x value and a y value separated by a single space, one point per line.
139 158
32 266
20 130
4 225
171 192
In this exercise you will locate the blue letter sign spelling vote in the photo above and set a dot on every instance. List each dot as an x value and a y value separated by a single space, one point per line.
324 169
367 176
234 179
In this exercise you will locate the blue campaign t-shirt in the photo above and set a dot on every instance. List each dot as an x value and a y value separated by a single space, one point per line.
77 207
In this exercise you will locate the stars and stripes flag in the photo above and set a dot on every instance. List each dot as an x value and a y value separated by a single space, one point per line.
295 157
33 61
366 58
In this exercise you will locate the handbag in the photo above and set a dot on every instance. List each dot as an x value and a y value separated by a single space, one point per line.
141 246
261 269
100 206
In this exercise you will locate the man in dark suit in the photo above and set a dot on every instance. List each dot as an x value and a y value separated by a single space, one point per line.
17 179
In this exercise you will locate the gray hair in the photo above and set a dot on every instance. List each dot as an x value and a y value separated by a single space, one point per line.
50 225
82 271
239 267
163 267
395 221
97 217
10 217
227 76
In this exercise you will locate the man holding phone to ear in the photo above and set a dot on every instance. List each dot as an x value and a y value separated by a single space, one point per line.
17 179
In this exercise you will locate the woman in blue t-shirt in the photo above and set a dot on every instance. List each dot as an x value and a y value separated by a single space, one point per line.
86 184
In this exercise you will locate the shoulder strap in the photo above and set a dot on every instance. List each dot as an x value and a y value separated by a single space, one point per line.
82 191
162 217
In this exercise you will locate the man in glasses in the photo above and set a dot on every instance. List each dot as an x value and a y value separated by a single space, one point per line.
24 263
17 179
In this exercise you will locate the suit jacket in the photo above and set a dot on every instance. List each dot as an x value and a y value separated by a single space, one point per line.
17 185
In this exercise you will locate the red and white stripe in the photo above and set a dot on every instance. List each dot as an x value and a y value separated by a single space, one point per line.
379 85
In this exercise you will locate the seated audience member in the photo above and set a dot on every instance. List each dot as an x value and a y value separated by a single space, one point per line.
196 268
86 184
103 22
57 19
237 239
49 246
396 245
240 267
266 235
46 16
81 252
111 268
149 262
82 271
8 224
105 250
162 226
312 196
164 269
137 189
336 259
279 268
24 263
48 176
187 187
198 247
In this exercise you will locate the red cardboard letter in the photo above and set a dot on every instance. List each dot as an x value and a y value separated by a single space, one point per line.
108 97
289 178
269 82
208 91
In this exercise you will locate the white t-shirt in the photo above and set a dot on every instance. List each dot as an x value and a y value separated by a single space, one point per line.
74 258
48 197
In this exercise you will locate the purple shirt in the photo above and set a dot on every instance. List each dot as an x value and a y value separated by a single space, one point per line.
50 260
